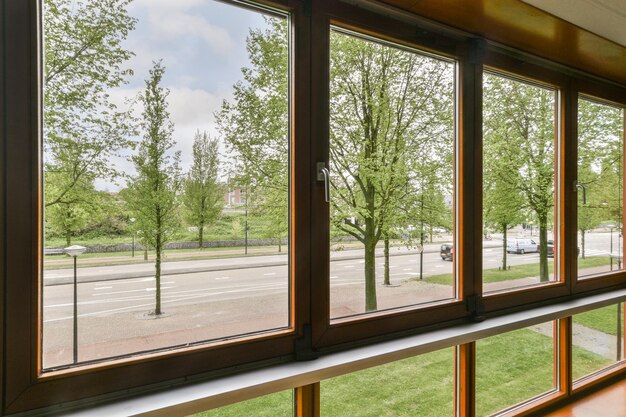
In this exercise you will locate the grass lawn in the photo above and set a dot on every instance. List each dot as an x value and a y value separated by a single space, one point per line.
517 271
585 362
603 319
511 368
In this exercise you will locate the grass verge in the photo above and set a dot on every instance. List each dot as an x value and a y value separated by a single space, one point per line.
518 271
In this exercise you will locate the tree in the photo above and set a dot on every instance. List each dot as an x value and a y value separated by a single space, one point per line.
203 196
389 107
79 207
255 125
84 59
502 199
600 156
519 120
152 192
391 115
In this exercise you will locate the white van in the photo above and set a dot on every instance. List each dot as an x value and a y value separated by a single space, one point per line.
521 246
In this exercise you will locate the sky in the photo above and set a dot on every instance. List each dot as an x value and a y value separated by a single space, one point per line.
202 44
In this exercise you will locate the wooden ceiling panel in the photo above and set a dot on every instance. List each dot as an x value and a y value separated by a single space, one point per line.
524 27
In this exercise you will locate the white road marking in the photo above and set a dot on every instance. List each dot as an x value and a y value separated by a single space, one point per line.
348 266
407 269
269 274
218 278
162 288
102 288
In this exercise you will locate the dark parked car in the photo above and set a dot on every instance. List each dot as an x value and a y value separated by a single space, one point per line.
551 249
446 251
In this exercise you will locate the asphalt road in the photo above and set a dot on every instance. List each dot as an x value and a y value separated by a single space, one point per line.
205 299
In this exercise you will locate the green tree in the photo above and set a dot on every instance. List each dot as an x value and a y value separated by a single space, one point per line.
203 196
80 207
525 135
388 107
391 115
84 59
152 193
600 160
255 125
502 198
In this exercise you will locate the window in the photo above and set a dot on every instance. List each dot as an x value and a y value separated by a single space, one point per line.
169 166
600 180
519 149
428 137
514 367
597 340
422 385
392 157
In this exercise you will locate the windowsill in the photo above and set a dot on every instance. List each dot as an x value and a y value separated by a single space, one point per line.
201 396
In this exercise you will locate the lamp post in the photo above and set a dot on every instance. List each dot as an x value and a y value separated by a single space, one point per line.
75 251
611 247
132 222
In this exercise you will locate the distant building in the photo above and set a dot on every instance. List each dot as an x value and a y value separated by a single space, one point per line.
235 198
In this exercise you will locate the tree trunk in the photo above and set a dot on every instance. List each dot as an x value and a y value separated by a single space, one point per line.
582 242
387 281
544 274
68 238
145 252
157 276
157 264
280 247
200 236
370 272
504 238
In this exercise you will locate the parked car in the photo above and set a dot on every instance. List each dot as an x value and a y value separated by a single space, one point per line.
446 251
521 246
551 249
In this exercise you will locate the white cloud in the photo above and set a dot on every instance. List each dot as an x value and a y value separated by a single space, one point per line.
183 24
190 110
165 6
175 18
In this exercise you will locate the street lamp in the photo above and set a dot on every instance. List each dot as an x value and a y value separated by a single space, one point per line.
611 247
75 251
132 222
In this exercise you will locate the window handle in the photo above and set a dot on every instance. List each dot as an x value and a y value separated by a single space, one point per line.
323 174
578 186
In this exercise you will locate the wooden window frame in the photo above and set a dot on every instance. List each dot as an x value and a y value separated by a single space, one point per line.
610 96
25 385
499 64
22 383
327 332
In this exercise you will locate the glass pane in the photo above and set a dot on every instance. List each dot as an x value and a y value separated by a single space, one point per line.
597 339
392 147
514 367
600 172
419 386
518 183
166 158
279 404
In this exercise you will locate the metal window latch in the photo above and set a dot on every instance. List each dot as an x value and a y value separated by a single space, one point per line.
578 186
323 174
